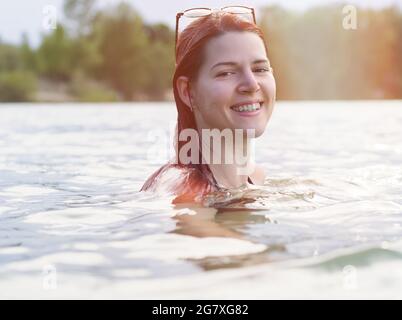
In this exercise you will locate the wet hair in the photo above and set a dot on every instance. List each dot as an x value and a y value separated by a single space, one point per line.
190 55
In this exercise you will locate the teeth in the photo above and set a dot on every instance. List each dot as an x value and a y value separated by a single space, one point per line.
247 108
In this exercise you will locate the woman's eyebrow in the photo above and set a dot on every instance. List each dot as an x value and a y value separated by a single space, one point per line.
231 63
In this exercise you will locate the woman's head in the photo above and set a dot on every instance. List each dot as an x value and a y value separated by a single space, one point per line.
222 69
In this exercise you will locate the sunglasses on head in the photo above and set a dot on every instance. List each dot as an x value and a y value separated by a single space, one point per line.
246 12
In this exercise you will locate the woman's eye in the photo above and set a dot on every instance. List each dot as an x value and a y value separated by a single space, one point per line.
258 70
224 74
262 70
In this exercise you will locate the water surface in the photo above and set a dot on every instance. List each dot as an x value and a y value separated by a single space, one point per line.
327 223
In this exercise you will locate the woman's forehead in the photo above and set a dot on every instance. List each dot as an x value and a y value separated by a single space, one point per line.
235 46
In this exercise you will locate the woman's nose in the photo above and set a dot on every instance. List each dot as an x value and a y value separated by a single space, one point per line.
249 83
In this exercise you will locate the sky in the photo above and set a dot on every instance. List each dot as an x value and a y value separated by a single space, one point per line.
29 16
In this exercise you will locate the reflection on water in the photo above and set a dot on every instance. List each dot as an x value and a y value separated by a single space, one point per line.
232 213
69 202
257 197
224 222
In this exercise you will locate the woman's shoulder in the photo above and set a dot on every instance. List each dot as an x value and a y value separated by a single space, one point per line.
186 182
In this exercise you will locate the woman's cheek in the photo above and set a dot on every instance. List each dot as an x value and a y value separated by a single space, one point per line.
273 87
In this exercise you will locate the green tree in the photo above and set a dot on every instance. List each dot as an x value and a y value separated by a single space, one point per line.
55 55
28 55
10 58
159 60
17 86
123 47
80 15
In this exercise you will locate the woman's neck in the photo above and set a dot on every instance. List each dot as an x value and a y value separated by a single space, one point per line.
231 163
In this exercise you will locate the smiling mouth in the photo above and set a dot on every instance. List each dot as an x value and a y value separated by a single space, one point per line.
250 108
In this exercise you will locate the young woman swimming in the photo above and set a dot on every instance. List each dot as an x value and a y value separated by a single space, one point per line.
223 83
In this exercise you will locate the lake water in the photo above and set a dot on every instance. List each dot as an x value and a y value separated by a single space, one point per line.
327 223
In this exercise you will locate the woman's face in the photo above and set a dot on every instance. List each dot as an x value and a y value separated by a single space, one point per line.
235 87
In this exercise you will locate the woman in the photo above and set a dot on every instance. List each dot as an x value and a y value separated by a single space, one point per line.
223 81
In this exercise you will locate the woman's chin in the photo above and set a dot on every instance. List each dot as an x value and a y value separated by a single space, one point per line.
251 131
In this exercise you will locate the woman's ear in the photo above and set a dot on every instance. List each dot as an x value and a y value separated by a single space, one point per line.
183 88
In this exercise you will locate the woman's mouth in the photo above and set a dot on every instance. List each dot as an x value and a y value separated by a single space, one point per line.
249 109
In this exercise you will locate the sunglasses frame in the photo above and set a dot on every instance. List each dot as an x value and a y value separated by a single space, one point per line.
180 14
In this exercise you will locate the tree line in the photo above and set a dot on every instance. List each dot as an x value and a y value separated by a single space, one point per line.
113 55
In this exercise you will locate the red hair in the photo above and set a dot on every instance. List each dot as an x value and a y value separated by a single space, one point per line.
190 51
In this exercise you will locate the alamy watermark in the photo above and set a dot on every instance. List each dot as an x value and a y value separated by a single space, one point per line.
349 277
49 281
349 21
210 146
49 21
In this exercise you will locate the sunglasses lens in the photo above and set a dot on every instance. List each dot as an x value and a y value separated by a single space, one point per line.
195 13
245 13
237 10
